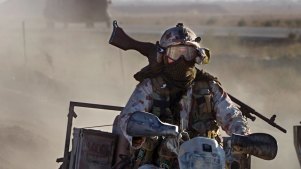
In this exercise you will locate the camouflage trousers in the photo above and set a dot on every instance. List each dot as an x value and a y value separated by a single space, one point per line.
158 153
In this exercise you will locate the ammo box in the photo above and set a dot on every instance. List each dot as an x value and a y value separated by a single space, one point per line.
92 149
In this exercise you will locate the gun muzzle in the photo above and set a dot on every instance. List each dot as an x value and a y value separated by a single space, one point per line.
261 145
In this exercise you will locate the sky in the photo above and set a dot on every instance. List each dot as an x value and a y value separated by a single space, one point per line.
178 1
1 1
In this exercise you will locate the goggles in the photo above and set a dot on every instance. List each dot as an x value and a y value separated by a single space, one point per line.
174 53
189 53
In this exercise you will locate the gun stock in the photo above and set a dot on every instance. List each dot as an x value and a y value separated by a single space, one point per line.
123 41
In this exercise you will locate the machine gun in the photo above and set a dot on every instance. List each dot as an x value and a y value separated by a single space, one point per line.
123 41
247 111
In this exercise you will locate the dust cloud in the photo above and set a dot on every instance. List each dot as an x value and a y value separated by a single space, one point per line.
43 69
270 87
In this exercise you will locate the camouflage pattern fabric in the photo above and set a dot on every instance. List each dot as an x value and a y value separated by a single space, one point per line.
226 113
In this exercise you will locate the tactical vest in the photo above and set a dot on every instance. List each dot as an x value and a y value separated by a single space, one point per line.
202 121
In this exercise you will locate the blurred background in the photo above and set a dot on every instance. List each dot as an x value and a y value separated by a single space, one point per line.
56 51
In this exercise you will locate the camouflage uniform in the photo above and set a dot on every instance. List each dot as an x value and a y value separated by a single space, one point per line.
226 113
181 95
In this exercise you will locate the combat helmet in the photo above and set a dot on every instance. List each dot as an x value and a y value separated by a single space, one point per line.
179 35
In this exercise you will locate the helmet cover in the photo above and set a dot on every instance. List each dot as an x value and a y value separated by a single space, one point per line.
179 35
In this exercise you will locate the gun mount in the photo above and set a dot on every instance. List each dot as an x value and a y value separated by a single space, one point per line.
67 159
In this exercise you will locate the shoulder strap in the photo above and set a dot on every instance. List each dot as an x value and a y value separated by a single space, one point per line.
201 75
159 86
149 71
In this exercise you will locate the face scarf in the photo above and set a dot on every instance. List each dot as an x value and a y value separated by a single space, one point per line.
180 73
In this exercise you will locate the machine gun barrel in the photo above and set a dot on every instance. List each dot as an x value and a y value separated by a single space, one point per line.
248 111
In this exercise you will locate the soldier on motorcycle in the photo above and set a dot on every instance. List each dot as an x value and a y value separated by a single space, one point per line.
182 95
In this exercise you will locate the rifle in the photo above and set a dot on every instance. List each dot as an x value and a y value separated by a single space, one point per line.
247 111
123 41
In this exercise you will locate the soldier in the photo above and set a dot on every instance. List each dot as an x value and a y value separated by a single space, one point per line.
181 95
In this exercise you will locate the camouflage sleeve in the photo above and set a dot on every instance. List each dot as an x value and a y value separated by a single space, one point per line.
140 100
228 116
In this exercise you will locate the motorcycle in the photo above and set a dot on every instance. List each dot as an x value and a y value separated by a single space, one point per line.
201 152
108 150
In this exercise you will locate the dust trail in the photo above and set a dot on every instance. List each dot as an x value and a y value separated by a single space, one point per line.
77 64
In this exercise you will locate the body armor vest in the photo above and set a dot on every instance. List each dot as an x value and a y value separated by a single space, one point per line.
166 106
201 117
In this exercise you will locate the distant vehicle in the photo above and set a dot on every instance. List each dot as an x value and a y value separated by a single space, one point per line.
77 11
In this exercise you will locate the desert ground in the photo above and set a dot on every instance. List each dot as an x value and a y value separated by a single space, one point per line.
43 69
